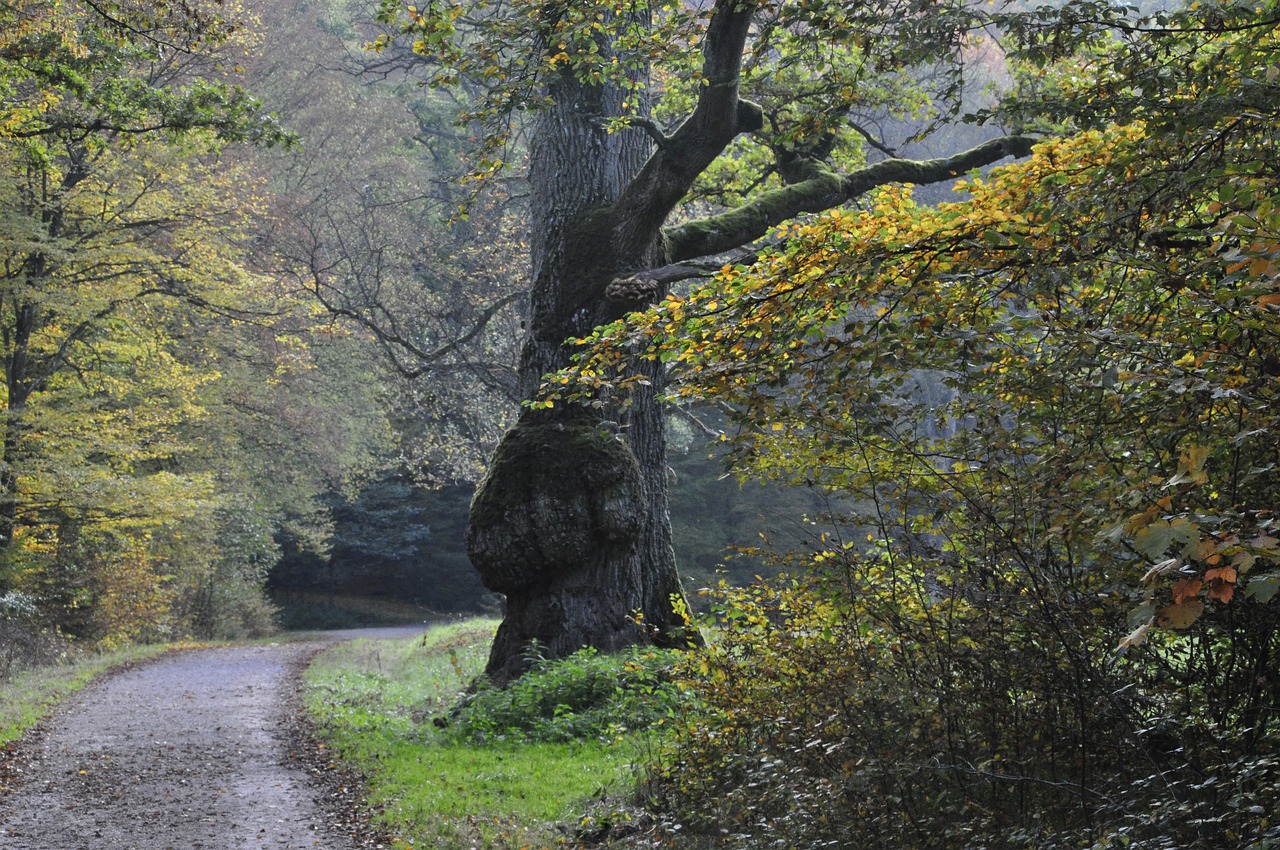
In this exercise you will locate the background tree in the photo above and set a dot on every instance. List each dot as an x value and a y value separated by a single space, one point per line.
427 307
145 363
632 108
361 223
90 82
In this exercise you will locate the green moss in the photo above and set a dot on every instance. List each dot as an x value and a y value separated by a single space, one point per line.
740 225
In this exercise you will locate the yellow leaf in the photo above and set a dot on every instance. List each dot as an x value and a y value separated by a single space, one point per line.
1191 466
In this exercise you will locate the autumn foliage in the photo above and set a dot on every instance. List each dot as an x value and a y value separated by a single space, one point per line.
1050 617
141 350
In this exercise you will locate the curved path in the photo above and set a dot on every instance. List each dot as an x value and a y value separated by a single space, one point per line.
186 752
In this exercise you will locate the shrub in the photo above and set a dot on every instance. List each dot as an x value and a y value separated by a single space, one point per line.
877 708
587 695
24 642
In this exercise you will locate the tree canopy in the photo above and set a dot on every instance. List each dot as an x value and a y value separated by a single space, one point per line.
129 314
1102 314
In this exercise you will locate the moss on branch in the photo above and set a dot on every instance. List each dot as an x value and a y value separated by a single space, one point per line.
822 190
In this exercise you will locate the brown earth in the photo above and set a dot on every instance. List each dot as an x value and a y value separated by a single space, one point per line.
196 750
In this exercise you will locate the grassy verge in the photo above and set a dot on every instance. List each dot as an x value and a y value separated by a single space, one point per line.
479 781
30 695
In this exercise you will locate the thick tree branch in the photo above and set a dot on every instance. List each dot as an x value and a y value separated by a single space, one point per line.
718 116
823 190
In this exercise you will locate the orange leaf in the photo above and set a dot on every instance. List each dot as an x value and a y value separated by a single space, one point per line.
1186 589
1222 591
1181 616
1227 574
1260 266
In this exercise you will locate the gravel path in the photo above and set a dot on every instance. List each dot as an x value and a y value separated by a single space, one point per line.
187 752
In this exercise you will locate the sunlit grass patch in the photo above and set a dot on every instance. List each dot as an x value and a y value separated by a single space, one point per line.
544 782
389 707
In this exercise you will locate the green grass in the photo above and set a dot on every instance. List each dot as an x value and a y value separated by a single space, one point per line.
375 701
29 696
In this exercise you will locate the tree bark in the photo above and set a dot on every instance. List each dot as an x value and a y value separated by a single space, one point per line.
18 385
571 521
822 189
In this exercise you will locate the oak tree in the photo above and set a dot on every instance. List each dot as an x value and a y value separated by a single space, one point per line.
658 137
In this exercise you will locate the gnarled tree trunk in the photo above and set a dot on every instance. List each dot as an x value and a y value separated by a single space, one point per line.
571 521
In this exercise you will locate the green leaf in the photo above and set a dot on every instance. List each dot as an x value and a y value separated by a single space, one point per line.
1155 540
1263 588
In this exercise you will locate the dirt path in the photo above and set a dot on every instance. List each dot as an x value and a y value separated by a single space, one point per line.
187 752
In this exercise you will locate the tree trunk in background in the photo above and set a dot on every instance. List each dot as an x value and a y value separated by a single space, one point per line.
18 384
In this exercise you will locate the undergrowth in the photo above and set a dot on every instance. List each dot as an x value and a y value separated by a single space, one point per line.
498 769
587 695
300 612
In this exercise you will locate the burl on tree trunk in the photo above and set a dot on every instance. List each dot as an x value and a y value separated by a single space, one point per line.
551 527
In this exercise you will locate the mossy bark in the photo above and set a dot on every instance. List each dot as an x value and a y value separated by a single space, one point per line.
553 526
562 492
823 189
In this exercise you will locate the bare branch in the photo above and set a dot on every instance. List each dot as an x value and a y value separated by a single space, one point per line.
642 286
871 139
654 132
698 425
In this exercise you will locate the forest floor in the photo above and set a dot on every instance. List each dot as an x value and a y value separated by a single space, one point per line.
195 750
